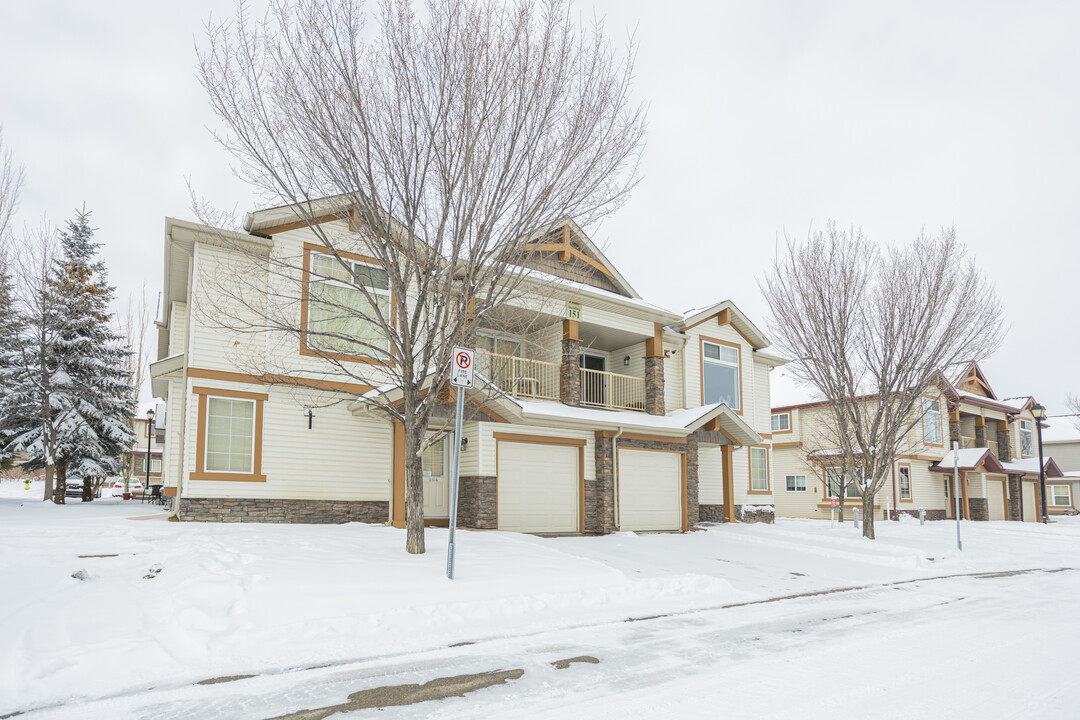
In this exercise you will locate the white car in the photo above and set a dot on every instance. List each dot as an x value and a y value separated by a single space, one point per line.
134 486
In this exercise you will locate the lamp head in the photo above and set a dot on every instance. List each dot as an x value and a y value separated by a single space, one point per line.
150 415
1038 411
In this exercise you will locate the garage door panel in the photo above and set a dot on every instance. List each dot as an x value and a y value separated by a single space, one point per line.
650 490
995 499
539 487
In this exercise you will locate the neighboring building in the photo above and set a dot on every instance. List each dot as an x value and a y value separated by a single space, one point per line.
997 465
629 418
142 429
1061 439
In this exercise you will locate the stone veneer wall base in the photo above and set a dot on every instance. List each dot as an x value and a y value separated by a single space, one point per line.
270 510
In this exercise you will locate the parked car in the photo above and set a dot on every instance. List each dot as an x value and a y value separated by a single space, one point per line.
73 488
134 486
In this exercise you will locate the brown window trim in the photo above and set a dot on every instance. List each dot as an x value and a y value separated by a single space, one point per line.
781 432
701 368
750 471
309 351
922 421
200 472
899 487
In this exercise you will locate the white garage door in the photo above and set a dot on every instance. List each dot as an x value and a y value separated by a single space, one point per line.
538 487
995 495
650 490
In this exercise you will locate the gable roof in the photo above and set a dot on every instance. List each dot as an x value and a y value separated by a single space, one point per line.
972 380
572 243
969 460
738 320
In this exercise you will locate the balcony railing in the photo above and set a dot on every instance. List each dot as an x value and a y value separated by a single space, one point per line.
611 390
994 448
520 377
967 442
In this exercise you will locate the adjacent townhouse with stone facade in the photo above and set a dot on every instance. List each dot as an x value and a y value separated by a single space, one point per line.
609 413
998 467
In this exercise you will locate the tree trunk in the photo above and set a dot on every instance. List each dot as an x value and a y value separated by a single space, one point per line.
61 483
868 515
49 470
414 489
87 490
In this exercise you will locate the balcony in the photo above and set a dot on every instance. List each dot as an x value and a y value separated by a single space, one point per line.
994 449
967 442
539 380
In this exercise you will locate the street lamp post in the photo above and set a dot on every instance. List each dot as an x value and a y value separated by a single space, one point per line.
1039 412
149 436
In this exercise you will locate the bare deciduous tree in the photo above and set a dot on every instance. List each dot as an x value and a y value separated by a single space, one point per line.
135 329
870 330
440 138
1073 404
11 181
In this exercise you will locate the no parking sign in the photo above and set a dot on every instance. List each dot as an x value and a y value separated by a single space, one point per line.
461 367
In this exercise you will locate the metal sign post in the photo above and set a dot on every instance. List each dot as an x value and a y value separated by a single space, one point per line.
956 490
461 377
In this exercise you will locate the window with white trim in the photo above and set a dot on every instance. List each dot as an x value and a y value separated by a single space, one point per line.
340 317
434 459
1059 495
904 473
720 374
835 480
230 434
795 483
155 465
781 422
759 469
1027 443
931 421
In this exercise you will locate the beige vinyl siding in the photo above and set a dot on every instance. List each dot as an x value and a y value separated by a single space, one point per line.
674 385
343 457
178 325
636 368
211 346
792 461
1065 454
174 432
762 419
486 464
741 463
544 344
594 315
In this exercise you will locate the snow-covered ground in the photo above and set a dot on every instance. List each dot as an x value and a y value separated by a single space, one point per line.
319 612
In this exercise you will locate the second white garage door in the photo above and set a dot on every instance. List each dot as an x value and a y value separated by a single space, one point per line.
538 487
650 490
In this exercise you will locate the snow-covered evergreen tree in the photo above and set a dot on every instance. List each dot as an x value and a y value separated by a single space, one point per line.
72 390
10 336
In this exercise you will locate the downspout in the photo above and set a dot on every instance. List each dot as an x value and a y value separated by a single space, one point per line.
615 476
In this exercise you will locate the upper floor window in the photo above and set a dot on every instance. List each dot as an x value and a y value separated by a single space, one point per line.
759 469
1027 443
230 435
1058 495
931 422
720 374
836 480
155 465
795 483
781 422
904 473
340 317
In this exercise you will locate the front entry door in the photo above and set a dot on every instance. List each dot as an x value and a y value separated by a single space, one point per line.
437 479
593 385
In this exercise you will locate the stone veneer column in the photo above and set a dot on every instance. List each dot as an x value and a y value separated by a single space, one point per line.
600 492
570 371
654 372
954 428
692 504
1015 512
980 432
1004 443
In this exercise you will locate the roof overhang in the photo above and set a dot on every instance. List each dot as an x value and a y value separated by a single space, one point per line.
164 370
969 460
739 321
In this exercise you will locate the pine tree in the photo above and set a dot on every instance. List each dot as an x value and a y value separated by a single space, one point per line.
10 334
71 391
90 364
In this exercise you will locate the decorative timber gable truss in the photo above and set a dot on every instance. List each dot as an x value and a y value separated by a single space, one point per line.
564 250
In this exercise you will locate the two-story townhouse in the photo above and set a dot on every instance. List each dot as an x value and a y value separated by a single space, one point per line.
996 465
604 413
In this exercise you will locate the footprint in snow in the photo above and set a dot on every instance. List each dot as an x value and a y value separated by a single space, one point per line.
154 571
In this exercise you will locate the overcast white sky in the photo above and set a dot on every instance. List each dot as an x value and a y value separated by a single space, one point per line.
765 117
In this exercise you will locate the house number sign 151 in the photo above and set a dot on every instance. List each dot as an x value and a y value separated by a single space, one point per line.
573 311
